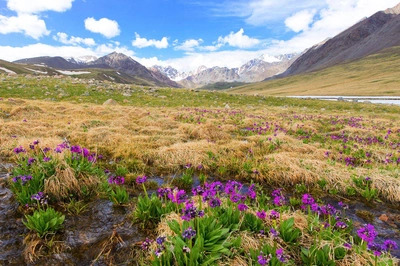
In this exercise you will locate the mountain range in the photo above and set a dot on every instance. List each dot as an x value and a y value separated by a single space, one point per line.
253 71
368 36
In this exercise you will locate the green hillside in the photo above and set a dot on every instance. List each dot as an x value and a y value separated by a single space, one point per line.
378 74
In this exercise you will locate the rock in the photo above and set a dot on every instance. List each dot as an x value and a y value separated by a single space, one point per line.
162 97
384 218
227 106
110 102
126 94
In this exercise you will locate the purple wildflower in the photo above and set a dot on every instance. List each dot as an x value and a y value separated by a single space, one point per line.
158 252
46 159
160 240
36 142
76 149
31 161
262 215
19 149
389 245
190 211
343 205
199 190
252 192
117 180
367 233
233 187
37 196
274 233
274 215
161 192
146 244
189 233
308 199
281 256
347 246
141 179
242 207
177 196
214 202
375 248
235 198
264 260
341 225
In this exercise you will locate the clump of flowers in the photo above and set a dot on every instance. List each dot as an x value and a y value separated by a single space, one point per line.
367 233
189 233
264 259
141 179
116 180
190 211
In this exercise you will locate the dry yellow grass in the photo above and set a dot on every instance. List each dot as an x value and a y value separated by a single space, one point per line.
158 141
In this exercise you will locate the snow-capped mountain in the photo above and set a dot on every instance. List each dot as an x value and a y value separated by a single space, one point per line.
254 70
82 60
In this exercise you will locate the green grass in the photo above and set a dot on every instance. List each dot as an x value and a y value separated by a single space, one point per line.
67 89
376 74
222 85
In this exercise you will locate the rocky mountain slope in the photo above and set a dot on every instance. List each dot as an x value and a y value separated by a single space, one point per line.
379 31
253 71
114 67
129 66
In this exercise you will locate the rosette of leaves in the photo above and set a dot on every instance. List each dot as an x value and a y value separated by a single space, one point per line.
44 221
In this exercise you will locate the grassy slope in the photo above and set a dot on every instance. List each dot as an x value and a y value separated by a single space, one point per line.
374 75
222 85
95 73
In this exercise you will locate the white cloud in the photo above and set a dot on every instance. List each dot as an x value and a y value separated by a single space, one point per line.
106 27
39 49
30 25
189 45
14 53
263 12
238 39
143 42
335 18
63 38
38 6
300 20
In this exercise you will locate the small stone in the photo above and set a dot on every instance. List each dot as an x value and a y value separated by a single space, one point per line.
110 102
384 218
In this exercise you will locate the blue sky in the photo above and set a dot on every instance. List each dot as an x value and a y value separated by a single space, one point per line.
182 33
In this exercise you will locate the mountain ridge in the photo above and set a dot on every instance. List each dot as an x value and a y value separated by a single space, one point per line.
364 38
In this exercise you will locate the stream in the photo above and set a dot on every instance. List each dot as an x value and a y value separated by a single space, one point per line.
92 238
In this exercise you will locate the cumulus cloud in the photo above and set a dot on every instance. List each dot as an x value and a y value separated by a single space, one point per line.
65 39
106 27
30 25
140 42
27 20
38 6
238 39
189 45
300 20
